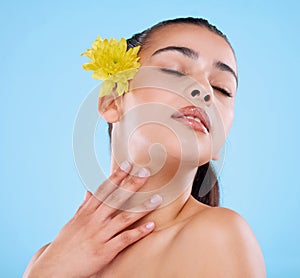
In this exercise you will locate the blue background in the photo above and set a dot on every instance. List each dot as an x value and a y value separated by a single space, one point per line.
42 86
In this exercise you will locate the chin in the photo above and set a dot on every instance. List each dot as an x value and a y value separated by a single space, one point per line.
158 150
155 145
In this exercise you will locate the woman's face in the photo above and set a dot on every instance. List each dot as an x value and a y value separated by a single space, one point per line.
187 73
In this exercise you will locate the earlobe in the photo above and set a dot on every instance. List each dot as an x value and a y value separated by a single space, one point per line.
108 108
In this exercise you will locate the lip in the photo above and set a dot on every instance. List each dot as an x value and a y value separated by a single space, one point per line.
187 114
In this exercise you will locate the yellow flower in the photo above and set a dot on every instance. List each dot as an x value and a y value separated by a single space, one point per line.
112 63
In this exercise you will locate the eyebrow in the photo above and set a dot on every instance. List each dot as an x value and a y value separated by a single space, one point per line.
190 53
223 67
183 50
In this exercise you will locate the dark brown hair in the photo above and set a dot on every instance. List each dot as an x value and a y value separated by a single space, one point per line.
205 185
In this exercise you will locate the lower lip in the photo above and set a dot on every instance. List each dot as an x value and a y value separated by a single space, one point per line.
198 126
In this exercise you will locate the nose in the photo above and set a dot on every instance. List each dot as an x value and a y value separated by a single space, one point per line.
198 92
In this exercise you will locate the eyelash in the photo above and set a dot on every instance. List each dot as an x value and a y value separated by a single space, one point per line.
178 73
223 91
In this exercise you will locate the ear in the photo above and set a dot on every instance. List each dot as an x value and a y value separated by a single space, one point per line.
109 108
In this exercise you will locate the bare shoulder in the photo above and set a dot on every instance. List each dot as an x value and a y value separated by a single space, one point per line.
223 243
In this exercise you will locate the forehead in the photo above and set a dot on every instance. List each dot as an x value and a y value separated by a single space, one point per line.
209 45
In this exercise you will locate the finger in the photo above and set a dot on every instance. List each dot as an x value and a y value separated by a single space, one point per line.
120 242
108 186
87 196
125 219
118 197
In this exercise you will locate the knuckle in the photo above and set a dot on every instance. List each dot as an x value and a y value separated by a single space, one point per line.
141 230
114 197
126 217
95 252
101 192
146 207
135 183
125 238
118 174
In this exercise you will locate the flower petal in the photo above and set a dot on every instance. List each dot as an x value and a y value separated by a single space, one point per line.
100 74
90 66
112 63
122 87
106 88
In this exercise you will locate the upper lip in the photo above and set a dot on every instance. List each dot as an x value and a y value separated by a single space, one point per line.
195 112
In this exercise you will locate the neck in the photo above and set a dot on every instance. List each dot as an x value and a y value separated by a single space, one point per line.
173 183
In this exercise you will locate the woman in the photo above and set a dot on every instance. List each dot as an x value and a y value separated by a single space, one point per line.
176 233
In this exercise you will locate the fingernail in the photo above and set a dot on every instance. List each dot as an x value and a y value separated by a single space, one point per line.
155 199
150 225
125 166
143 173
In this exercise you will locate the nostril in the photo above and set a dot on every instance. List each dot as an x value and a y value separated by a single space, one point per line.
207 98
195 93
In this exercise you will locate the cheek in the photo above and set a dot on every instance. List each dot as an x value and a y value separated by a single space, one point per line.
227 116
156 98
148 120
142 96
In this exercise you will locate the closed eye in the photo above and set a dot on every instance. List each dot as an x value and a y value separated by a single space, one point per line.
178 73
174 72
223 91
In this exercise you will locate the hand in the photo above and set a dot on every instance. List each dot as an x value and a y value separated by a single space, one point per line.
97 232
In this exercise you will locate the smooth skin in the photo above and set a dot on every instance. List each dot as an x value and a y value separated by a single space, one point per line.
95 233
190 239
